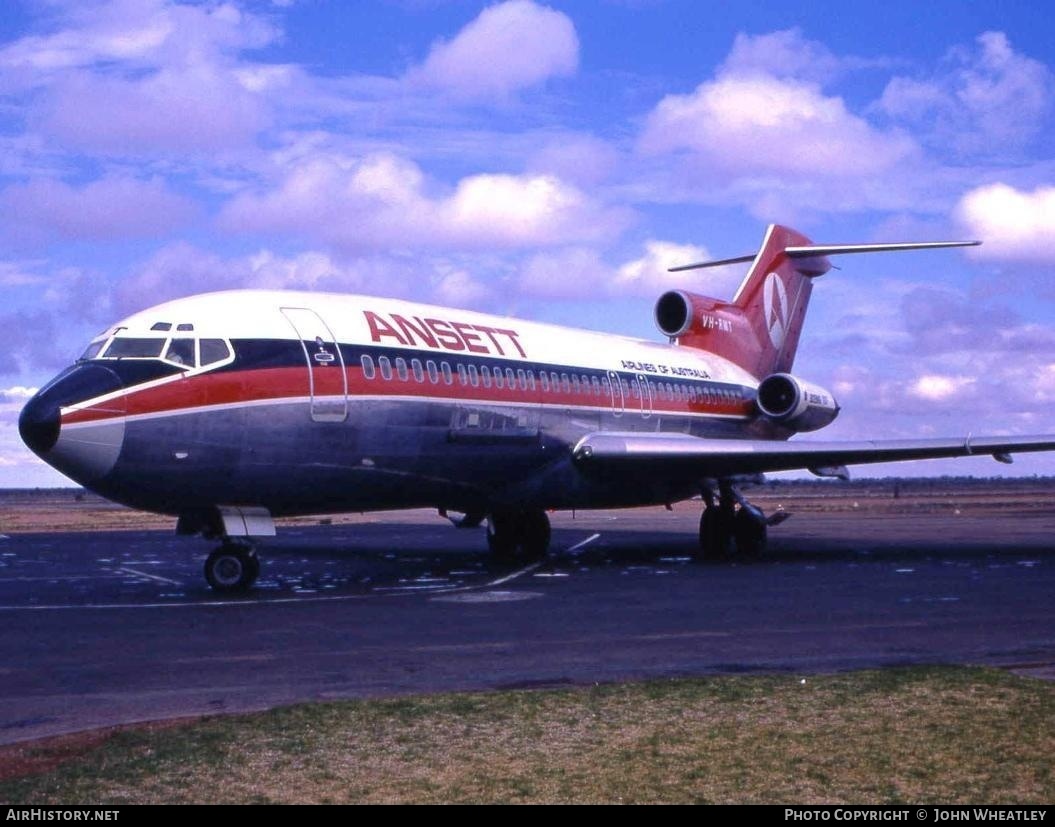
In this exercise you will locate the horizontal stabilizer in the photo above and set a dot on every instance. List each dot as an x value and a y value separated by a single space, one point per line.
842 249
812 250
700 264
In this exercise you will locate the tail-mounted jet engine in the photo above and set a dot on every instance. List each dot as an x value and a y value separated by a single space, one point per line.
797 405
678 311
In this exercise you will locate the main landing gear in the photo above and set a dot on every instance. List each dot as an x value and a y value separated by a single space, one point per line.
518 535
232 567
730 523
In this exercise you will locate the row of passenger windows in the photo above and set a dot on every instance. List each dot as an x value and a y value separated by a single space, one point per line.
472 375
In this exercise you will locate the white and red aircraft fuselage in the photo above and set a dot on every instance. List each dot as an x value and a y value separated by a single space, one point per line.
228 409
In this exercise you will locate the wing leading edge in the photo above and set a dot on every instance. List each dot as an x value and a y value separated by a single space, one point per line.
684 456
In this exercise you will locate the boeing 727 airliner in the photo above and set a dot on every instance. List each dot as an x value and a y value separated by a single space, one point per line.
229 409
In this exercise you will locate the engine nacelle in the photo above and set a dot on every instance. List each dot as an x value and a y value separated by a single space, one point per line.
677 311
798 405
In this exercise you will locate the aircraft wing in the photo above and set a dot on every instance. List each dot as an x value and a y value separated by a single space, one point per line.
685 456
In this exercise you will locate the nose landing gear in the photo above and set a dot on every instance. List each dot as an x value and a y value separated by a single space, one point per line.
232 567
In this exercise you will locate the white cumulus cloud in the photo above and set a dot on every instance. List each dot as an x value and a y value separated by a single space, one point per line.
984 100
126 77
508 47
383 201
570 273
787 54
459 288
143 32
765 132
581 159
648 276
760 123
581 273
16 393
182 269
937 388
1013 224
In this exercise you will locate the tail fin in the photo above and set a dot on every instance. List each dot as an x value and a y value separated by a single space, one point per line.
760 328
773 299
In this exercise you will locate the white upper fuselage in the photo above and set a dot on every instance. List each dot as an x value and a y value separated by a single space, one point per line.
354 319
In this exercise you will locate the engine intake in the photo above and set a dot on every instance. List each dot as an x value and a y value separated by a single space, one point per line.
795 404
674 313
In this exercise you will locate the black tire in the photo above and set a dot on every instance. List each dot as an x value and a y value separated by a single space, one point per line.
254 568
519 536
231 569
534 535
715 535
750 532
502 535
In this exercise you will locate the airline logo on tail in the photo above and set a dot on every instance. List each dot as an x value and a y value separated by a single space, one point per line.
775 304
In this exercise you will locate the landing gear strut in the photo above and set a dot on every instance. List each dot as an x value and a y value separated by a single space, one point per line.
730 522
232 567
518 535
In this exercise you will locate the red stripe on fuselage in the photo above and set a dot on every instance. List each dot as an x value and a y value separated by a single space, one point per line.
266 384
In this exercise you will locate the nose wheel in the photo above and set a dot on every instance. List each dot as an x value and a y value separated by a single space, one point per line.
232 568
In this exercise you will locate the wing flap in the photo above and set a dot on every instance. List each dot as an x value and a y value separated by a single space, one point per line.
681 454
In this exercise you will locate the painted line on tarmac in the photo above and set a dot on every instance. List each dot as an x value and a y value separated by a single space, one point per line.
39 607
584 543
514 575
52 578
156 577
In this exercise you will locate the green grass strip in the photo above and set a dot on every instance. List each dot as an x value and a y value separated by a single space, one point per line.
920 735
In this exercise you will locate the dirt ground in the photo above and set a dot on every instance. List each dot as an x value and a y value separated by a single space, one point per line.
71 509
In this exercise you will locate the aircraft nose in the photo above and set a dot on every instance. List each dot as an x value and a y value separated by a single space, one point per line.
85 452
39 423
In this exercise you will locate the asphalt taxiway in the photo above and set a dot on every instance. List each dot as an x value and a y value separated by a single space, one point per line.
113 627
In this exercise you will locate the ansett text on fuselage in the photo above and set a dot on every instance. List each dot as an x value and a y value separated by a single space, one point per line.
443 334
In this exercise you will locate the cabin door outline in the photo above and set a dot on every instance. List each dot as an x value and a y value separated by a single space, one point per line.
615 388
327 378
644 389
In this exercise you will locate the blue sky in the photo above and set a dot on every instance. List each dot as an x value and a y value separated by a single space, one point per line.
547 160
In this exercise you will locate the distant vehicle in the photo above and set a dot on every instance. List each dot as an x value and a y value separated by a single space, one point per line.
228 409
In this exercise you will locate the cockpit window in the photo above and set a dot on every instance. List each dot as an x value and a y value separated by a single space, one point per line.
92 350
214 350
128 348
185 352
181 352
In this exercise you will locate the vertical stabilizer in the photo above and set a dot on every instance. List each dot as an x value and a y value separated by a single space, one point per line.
773 298
760 328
